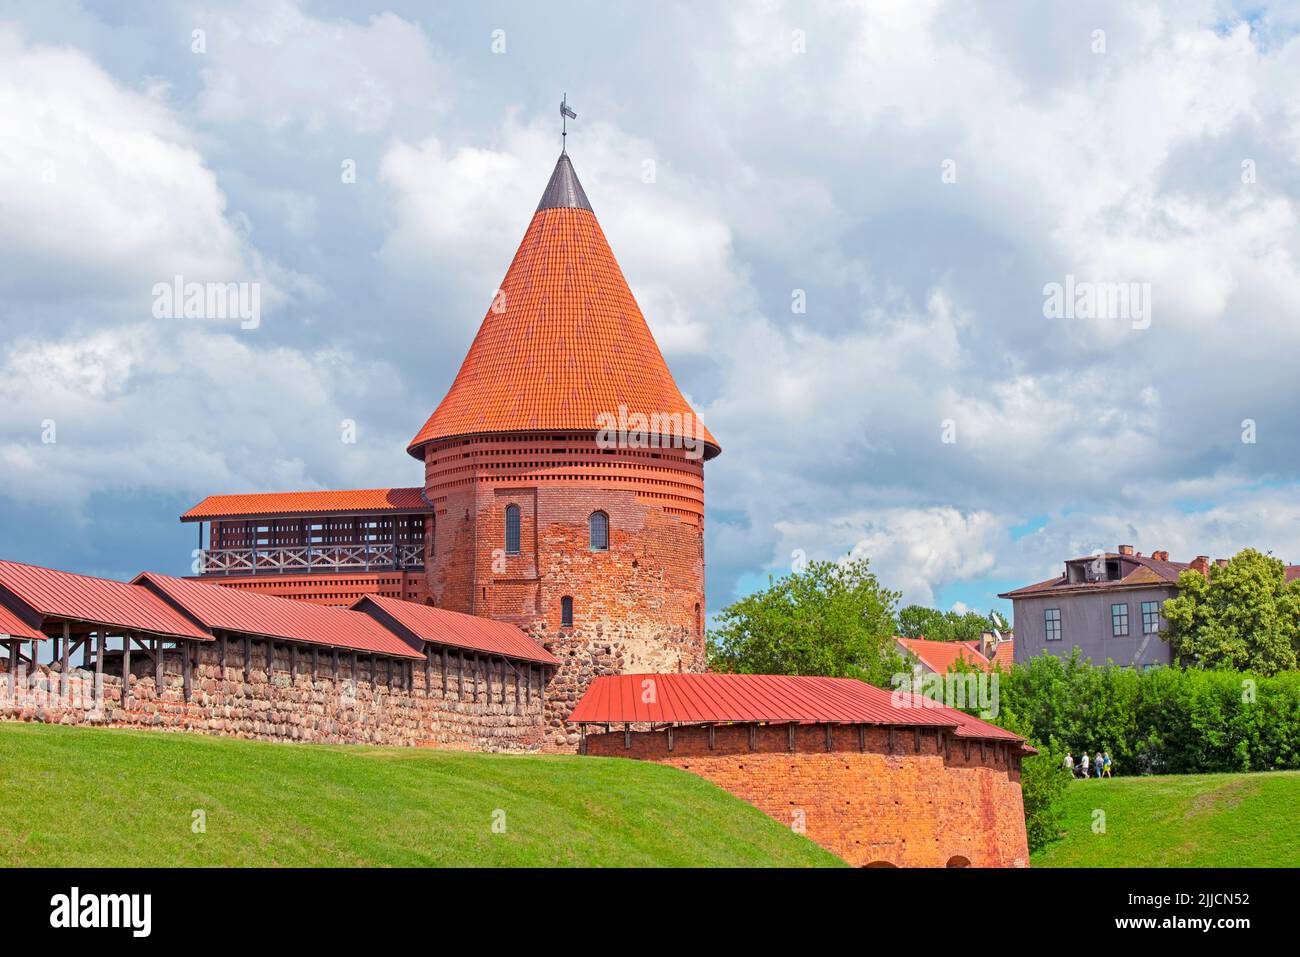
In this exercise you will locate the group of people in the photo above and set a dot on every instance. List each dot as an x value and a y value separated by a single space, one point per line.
1099 766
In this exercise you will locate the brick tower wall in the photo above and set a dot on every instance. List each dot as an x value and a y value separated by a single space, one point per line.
637 607
913 798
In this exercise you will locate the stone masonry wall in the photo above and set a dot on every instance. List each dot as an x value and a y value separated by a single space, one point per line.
929 800
335 707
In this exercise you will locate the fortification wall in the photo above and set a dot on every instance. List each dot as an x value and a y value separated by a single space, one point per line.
910 799
492 711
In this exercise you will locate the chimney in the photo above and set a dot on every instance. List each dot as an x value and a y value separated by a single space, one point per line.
1126 549
1201 563
1160 556
1221 562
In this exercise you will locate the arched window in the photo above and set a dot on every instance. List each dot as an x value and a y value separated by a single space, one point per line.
566 612
512 529
599 523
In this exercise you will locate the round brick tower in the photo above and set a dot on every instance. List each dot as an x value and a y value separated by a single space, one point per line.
566 470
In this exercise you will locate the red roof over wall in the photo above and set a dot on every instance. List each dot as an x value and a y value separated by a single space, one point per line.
11 626
453 628
168 606
55 594
720 698
568 343
252 613
307 503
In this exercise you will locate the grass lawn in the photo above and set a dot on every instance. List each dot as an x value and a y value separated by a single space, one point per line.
94 797
1187 820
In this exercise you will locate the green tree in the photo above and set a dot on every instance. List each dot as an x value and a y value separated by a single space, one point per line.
829 619
917 621
1245 615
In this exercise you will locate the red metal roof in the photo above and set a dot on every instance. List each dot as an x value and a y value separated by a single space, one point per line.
55 594
718 698
568 343
458 630
939 656
11 626
255 614
308 503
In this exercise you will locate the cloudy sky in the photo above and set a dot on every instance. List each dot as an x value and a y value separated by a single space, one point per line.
916 172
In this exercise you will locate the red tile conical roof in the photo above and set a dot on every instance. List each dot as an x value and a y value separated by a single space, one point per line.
564 340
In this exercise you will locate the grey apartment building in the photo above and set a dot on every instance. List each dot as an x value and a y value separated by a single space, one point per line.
1108 606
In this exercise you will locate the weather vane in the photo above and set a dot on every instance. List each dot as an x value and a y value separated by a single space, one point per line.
566 114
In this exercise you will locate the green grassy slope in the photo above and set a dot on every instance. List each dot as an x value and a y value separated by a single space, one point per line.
1192 820
89 797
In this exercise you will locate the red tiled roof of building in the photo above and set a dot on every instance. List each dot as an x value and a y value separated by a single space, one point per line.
939 656
459 630
1005 655
564 340
55 594
307 503
724 698
11 626
251 613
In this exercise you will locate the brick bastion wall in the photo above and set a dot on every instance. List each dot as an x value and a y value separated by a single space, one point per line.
494 707
908 798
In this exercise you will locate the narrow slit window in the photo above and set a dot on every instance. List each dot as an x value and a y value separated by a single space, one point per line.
566 612
599 532
512 529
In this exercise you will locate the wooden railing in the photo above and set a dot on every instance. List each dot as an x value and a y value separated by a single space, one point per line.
310 558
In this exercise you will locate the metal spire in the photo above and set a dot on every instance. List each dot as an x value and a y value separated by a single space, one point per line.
566 114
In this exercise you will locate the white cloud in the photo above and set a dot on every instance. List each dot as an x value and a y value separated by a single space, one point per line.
275 64
102 189
176 409
914 551
105 193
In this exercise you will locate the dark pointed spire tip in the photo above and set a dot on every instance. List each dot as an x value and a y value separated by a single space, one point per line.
564 191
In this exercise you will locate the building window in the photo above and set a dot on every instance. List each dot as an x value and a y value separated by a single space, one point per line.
566 612
1119 620
1150 617
1052 622
599 525
512 529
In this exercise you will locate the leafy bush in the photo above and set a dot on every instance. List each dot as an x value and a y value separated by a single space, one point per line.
1163 721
